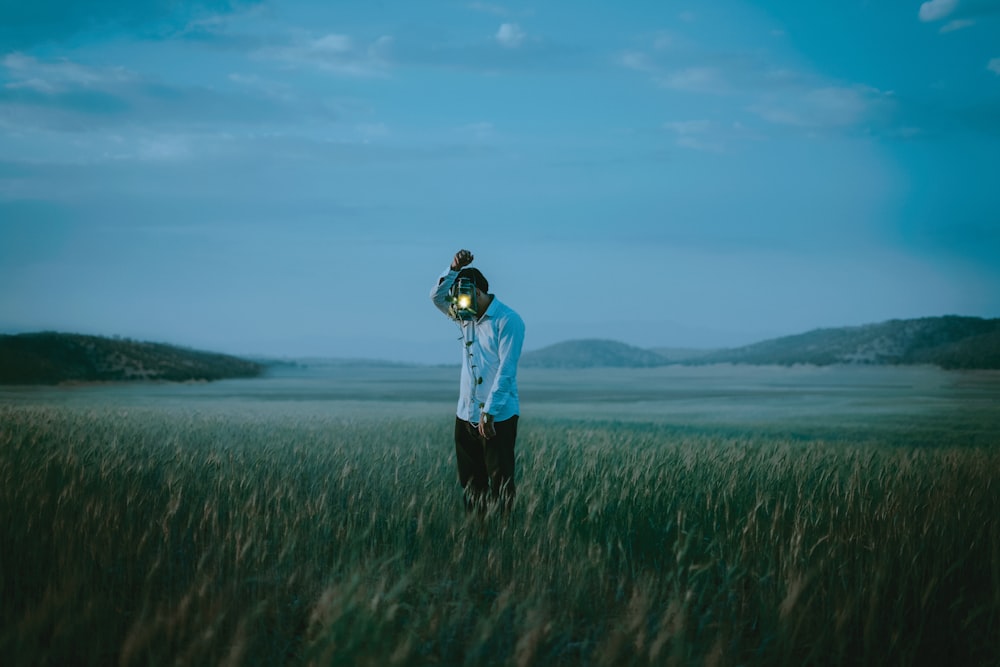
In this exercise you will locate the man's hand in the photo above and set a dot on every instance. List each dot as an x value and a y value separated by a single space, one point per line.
486 428
462 259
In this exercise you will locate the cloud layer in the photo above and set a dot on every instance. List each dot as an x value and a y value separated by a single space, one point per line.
25 24
279 152
510 35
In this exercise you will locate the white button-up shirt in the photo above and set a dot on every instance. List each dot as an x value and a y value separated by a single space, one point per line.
491 348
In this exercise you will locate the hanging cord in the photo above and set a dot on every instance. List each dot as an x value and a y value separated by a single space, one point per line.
468 341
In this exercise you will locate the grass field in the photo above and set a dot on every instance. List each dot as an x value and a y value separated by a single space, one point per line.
720 517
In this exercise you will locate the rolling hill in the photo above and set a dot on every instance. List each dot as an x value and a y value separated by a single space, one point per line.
950 342
53 358
591 353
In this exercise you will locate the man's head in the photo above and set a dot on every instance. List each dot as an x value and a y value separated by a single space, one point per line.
468 305
477 278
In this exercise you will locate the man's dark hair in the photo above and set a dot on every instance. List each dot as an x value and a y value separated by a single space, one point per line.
477 278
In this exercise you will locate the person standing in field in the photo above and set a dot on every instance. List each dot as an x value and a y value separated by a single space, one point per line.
488 406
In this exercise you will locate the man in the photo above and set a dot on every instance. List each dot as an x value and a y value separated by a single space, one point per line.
488 407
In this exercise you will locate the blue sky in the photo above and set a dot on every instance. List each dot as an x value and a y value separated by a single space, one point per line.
289 178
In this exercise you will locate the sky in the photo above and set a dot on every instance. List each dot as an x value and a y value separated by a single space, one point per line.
290 177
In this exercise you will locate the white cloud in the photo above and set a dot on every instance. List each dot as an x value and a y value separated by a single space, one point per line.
119 145
332 44
510 35
54 77
335 53
279 91
994 66
778 94
488 8
699 135
663 40
777 114
906 132
221 23
935 10
70 97
699 144
837 105
635 60
827 107
369 131
694 79
480 131
957 24
37 85
164 148
688 127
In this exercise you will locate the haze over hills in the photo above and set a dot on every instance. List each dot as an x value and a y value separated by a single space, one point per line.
591 353
949 342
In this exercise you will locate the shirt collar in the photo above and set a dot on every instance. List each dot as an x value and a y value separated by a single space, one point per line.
492 310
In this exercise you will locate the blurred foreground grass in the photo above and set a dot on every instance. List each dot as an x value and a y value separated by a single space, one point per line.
162 537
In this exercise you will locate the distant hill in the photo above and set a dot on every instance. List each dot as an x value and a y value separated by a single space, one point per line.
52 358
951 342
590 353
682 354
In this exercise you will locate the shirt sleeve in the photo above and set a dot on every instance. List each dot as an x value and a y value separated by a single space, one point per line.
439 295
510 339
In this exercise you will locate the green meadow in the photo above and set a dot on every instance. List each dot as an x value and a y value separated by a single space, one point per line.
672 516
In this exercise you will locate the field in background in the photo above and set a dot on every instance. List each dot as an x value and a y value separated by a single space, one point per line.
721 515
695 396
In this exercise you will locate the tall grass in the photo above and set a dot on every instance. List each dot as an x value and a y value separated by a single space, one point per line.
165 537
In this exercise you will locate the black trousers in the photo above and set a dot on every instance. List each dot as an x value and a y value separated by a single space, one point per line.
486 467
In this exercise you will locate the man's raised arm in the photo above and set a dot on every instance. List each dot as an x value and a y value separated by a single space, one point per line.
440 293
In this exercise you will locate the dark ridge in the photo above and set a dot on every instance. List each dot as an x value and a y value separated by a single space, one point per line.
592 353
54 358
951 342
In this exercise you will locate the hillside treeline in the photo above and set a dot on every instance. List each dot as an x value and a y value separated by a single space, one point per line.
592 353
52 358
950 342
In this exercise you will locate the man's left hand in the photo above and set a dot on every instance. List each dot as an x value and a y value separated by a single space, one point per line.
486 428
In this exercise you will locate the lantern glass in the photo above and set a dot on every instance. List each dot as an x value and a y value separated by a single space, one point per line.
463 299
